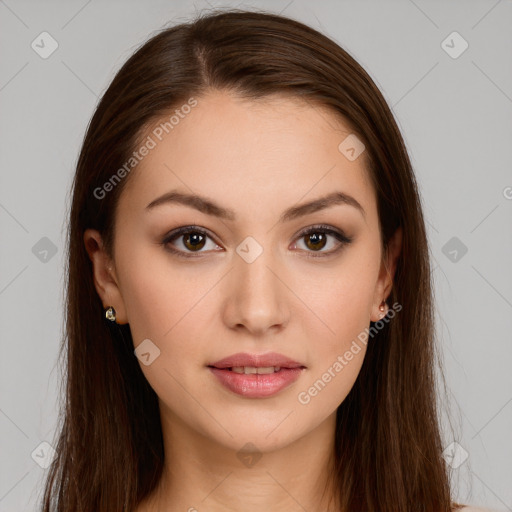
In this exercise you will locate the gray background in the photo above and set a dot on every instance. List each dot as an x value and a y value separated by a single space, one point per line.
455 114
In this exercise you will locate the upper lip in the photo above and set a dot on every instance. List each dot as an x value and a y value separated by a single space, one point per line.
257 361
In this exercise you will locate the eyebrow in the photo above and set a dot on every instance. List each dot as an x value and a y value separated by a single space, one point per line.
208 207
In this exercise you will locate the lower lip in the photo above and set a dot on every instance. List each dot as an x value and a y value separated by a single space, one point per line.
255 385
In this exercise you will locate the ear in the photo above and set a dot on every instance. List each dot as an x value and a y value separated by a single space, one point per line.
386 275
104 276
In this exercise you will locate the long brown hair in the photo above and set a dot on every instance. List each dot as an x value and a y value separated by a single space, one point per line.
388 454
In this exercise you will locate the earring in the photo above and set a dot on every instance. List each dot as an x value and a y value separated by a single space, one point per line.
382 308
110 314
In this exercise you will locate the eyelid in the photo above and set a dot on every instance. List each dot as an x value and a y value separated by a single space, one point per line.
339 234
176 233
331 230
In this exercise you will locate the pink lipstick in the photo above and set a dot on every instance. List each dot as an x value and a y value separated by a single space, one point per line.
256 375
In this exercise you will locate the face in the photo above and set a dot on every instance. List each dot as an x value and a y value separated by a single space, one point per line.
243 277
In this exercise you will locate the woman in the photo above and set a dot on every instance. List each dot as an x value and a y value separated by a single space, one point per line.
250 312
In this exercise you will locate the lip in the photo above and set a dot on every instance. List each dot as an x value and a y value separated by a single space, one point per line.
257 385
257 360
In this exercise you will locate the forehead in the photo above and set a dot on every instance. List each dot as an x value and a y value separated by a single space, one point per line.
276 149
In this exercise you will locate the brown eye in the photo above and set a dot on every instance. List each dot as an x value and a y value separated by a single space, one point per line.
188 241
317 238
194 241
315 241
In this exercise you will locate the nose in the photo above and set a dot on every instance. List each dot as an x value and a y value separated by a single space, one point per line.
256 296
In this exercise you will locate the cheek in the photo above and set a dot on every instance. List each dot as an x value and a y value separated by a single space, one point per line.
340 299
169 303
164 303
343 304
337 357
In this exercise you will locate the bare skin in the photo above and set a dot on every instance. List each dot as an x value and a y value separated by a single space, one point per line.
257 159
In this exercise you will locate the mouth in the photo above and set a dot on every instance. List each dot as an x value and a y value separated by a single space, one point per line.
256 376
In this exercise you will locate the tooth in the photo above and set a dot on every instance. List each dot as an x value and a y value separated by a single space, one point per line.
266 369
249 370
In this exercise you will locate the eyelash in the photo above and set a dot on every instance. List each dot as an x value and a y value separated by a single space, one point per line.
320 228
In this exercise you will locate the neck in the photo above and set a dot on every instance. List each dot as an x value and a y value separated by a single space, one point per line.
203 474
